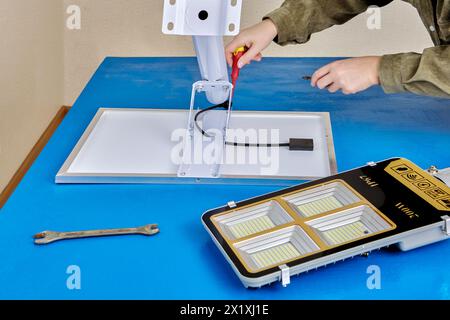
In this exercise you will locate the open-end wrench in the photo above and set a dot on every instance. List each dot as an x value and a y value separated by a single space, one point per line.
47 237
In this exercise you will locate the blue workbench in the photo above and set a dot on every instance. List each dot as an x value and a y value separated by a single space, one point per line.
182 262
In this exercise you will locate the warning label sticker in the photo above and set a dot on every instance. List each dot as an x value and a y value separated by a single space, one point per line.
423 184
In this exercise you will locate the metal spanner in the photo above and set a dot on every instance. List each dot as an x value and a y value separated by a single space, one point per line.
47 237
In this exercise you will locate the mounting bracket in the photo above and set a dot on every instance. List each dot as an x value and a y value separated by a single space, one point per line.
197 162
202 18
207 21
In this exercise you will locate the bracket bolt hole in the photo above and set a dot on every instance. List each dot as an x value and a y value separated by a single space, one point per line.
203 15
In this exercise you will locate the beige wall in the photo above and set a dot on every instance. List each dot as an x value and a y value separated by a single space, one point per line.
133 28
31 65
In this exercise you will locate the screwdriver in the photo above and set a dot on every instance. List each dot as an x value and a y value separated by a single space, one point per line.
235 69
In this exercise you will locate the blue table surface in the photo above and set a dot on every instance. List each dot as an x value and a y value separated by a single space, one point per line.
182 262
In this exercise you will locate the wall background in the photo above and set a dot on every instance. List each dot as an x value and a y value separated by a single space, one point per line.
45 65
31 77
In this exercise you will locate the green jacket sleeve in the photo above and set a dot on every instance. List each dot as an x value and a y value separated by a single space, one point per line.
427 73
296 20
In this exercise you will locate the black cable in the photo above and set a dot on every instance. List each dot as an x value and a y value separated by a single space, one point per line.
235 144
257 145
204 133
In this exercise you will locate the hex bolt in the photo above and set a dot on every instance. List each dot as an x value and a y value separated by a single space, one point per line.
433 170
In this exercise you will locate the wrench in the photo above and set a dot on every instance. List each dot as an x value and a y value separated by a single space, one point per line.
47 237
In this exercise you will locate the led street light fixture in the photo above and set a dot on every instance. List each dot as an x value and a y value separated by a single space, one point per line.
285 233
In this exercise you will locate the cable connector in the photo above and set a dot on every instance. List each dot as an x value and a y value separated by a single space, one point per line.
301 144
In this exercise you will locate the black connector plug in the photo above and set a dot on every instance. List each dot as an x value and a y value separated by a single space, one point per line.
301 144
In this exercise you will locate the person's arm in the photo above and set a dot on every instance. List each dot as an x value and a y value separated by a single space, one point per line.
296 20
426 74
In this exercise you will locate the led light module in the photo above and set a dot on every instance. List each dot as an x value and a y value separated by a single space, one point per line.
274 236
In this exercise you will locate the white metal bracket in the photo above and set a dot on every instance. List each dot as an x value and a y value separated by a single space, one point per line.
207 21
231 204
203 155
446 227
441 174
202 18
285 275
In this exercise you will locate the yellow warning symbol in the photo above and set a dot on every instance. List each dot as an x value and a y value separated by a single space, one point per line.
423 184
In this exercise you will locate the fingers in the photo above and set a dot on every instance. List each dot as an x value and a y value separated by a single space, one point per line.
349 75
325 81
231 48
255 38
333 88
319 74
326 78
253 53
258 57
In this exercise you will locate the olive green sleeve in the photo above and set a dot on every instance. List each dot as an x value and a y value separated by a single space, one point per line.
426 74
296 20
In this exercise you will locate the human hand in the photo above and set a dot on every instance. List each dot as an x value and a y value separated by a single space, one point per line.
350 75
255 38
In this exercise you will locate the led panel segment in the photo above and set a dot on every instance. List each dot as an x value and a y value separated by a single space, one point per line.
276 247
245 222
322 199
349 225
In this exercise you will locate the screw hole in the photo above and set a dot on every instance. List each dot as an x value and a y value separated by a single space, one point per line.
172 2
170 26
232 27
203 15
233 3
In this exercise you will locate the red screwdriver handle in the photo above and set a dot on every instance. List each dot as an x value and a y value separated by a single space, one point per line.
235 70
